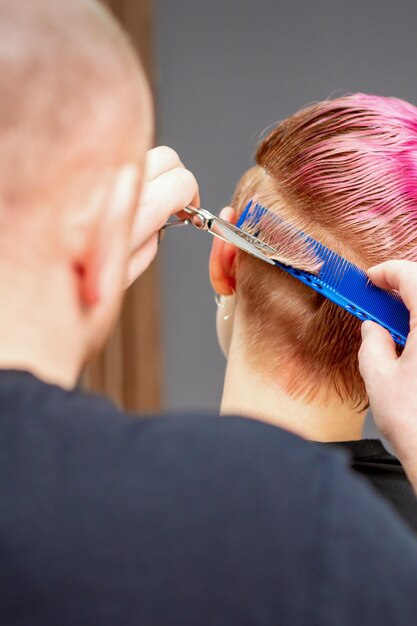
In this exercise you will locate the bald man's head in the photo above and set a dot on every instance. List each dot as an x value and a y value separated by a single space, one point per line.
75 123
73 99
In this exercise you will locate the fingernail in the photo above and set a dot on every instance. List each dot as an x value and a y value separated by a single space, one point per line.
227 213
365 328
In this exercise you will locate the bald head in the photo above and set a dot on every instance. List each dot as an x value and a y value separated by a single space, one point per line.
75 123
73 98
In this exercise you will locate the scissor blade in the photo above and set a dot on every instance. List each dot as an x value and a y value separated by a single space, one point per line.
227 232
204 220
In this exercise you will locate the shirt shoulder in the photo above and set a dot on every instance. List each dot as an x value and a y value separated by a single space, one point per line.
185 519
90 421
207 512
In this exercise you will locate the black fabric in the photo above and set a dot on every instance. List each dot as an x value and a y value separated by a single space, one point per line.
386 475
185 521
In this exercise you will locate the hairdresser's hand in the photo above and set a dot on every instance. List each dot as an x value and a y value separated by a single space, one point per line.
168 187
391 381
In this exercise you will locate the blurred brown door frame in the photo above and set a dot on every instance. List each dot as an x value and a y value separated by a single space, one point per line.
129 369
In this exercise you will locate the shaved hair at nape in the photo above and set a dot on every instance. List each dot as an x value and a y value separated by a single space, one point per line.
72 97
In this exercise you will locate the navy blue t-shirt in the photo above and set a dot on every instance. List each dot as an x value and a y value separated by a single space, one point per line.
185 521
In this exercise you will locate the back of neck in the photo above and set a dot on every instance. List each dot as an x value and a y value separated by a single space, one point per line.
38 332
248 393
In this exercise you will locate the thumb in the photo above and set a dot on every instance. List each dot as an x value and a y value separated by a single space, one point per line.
376 352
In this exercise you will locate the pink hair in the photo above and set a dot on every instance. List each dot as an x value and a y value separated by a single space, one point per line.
344 171
362 153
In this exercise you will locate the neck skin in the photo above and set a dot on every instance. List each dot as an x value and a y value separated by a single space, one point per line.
246 392
38 325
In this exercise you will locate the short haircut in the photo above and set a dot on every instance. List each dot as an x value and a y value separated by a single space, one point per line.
71 96
345 171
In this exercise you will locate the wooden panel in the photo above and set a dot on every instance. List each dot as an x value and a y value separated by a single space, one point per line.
129 369
136 17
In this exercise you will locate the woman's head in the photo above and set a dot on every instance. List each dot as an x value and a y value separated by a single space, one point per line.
345 171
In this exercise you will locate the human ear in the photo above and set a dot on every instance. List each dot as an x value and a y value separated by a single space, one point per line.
222 260
100 265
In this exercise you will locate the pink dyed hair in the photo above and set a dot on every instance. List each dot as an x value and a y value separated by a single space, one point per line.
345 171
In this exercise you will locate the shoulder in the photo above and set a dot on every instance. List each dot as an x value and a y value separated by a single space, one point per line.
92 419
208 443
234 461
186 516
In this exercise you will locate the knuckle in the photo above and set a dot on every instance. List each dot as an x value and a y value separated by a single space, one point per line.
188 179
159 160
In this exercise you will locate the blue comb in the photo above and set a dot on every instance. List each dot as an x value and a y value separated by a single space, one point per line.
340 281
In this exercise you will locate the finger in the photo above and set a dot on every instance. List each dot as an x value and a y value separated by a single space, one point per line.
160 160
228 214
141 260
376 353
196 202
166 195
398 275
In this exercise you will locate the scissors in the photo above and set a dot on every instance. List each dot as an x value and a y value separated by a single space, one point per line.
206 221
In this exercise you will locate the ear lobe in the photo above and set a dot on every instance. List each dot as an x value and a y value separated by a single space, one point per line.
222 261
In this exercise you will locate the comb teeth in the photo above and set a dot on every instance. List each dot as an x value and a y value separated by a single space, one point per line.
337 279
334 266
287 241
251 216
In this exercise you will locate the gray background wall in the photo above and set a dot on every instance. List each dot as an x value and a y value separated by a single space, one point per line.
226 69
